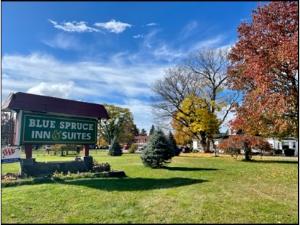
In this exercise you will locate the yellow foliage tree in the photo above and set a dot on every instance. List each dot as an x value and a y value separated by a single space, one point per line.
182 134
194 115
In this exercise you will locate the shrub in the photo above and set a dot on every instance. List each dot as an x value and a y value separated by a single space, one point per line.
157 151
133 148
65 148
195 150
59 176
115 148
101 167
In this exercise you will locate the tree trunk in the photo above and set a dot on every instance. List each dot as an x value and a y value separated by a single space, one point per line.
203 140
247 151
214 147
207 150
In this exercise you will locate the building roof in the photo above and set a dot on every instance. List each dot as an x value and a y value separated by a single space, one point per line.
38 103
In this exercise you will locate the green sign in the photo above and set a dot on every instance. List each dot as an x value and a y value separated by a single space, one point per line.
47 129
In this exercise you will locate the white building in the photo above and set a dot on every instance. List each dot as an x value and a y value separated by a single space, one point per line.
291 143
217 138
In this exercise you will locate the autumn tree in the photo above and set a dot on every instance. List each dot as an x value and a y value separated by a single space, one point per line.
195 115
235 143
126 126
204 75
182 134
264 65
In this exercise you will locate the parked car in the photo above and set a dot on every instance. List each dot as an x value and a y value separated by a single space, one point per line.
289 152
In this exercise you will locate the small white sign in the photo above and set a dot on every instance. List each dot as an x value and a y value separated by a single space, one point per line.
10 154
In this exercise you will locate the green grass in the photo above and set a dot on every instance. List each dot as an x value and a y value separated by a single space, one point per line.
194 189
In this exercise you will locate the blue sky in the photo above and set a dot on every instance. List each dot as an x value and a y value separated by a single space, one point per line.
109 52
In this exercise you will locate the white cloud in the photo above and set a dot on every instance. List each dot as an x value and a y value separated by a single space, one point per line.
188 30
63 41
73 26
151 24
214 42
138 36
56 90
167 53
126 77
113 26
142 113
101 82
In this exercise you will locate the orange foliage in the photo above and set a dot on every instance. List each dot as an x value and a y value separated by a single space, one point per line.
264 64
238 141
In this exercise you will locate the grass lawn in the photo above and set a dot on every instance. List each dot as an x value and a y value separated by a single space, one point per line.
194 189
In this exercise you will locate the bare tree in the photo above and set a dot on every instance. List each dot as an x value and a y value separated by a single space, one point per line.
203 74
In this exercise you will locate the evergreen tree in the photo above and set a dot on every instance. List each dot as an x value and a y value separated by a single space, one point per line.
152 130
143 132
115 148
157 151
172 144
135 130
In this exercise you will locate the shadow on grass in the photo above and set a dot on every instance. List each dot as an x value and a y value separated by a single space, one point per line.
114 184
135 184
272 161
188 168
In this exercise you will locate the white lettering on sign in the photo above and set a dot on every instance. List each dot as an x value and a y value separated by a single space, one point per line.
75 126
31 123
52 124
40 134
85 126
41 124
45 129
75 136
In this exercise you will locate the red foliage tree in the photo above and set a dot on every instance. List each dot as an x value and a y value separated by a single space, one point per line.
235 143
264 64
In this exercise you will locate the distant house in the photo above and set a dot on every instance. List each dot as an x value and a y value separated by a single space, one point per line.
141 140
216 138
285 143
276 144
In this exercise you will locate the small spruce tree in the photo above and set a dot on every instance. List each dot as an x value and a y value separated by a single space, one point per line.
115 148
157 151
